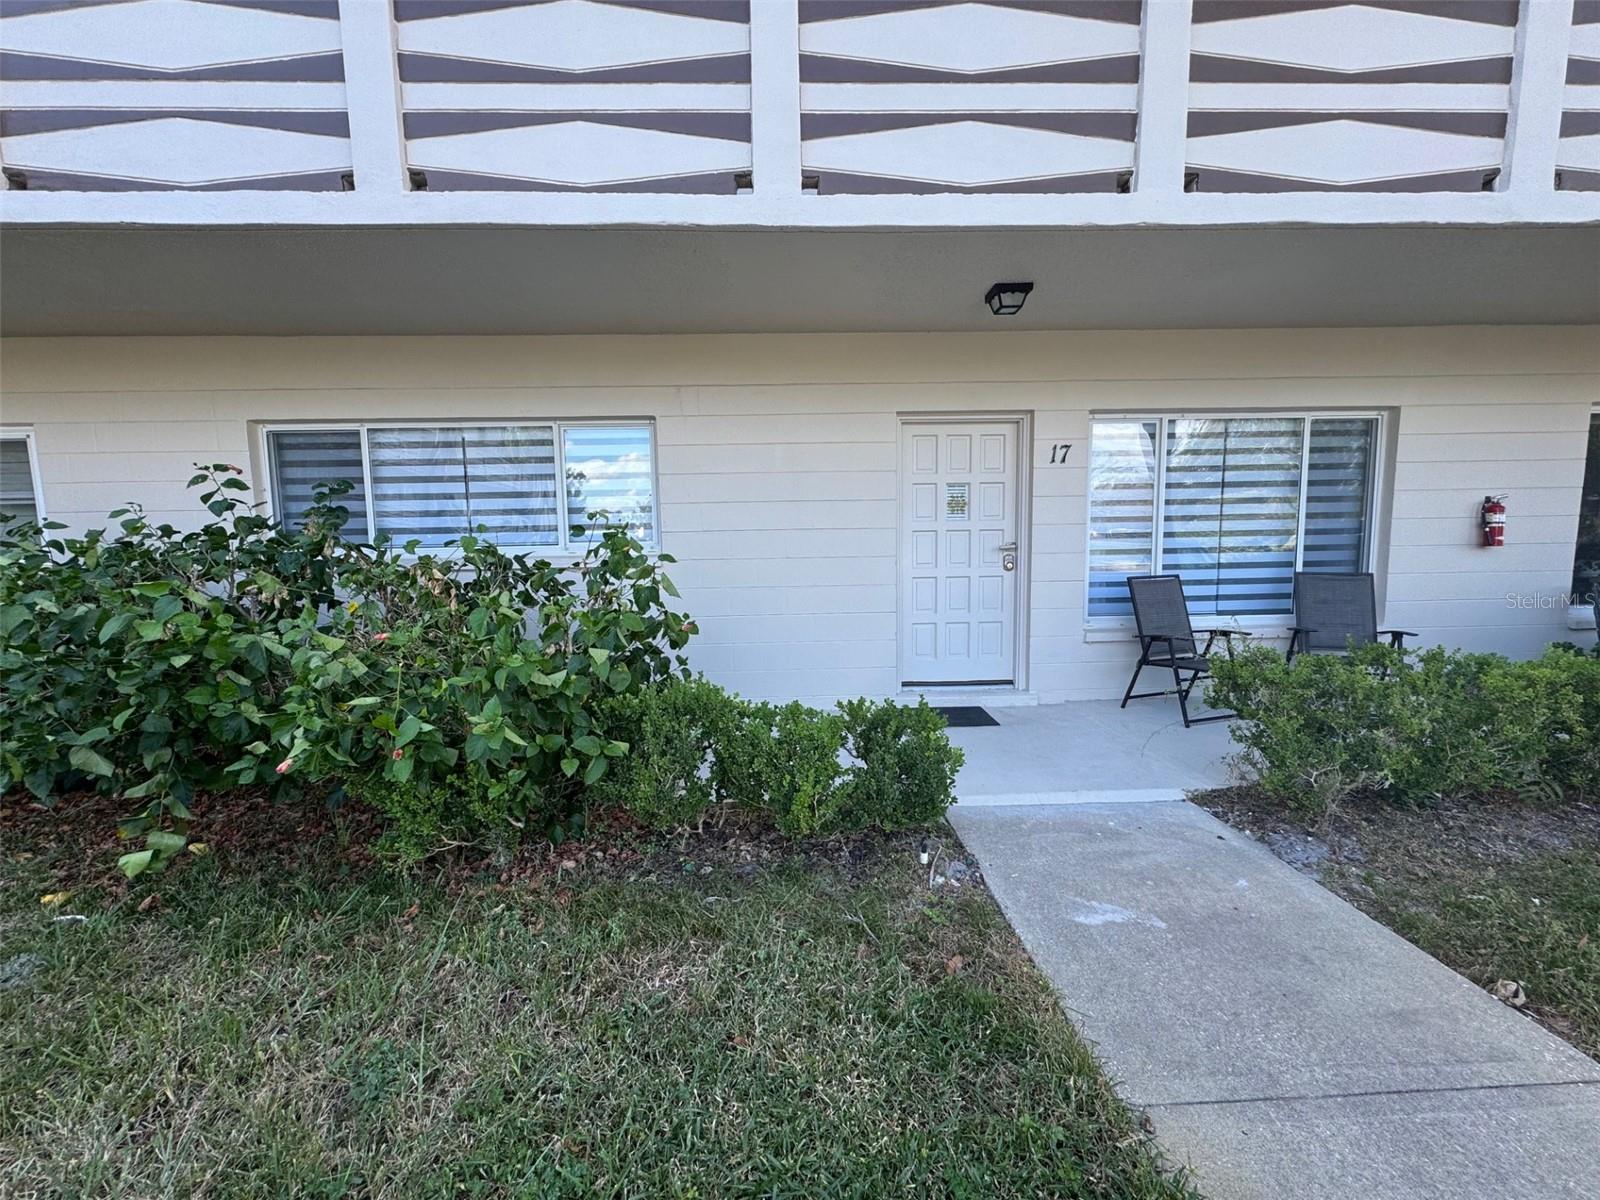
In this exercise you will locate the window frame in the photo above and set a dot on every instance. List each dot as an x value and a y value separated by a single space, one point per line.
35 477
1163 419
565 548
1578 597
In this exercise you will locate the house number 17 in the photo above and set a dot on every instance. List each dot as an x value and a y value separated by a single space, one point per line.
1059 452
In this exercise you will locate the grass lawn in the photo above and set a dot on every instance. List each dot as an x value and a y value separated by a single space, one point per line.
1496 890
617 1021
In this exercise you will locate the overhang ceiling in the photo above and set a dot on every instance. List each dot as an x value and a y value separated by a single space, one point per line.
56 281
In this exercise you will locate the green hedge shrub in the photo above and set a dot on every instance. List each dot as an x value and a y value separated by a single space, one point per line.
800 771
904 767
1414 727
665 778
869 764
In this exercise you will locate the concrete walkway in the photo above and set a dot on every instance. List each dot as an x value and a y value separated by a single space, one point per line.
1089 751
1285 1046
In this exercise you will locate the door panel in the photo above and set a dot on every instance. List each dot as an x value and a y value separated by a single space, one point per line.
958 504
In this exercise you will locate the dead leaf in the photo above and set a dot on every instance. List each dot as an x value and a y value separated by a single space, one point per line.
1509 991
411 912
954 964
739 1039
55 899
150 901
198 848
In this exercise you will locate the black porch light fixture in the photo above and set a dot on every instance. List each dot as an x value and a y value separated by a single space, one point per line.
1007 299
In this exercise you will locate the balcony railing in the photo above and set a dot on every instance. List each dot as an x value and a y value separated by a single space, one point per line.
1055 111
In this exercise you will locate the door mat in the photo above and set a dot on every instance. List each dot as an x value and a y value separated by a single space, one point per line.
966 717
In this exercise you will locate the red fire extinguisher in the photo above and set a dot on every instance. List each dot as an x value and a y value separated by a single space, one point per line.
1494 520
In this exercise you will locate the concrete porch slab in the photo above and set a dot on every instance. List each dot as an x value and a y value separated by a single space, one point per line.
1283 1043
1089 752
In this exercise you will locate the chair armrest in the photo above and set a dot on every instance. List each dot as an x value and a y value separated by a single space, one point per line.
1397 637
1226 633
1302 629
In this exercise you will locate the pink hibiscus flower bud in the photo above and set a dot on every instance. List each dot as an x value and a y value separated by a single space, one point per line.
283 767
380 637
399 754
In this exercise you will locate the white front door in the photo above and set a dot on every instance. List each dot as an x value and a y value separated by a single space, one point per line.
958 552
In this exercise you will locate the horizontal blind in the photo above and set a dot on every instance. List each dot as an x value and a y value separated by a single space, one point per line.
433 485
303 459
609 470
16 480
1338 493
1231 513
1122 507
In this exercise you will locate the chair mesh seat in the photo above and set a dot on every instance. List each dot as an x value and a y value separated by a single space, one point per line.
1183 663
1335 609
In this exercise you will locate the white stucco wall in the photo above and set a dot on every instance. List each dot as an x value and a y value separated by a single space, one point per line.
777 457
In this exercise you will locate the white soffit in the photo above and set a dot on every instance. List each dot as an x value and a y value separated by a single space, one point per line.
500 281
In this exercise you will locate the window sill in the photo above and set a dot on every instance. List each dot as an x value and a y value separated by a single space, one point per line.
557 556
1259 627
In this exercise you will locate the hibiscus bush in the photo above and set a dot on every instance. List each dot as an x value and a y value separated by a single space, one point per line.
160 663
143 665
483 675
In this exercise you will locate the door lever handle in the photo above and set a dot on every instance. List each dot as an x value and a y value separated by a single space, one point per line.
1008 556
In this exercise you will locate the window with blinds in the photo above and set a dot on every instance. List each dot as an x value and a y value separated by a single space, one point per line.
1122 511
301 459
1233 505
1339 494
521 486
608 470
18 497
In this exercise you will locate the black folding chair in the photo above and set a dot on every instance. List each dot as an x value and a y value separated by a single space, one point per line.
1334 609
1167 640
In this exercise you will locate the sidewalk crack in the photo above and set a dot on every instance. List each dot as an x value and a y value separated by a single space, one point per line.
1417 1091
